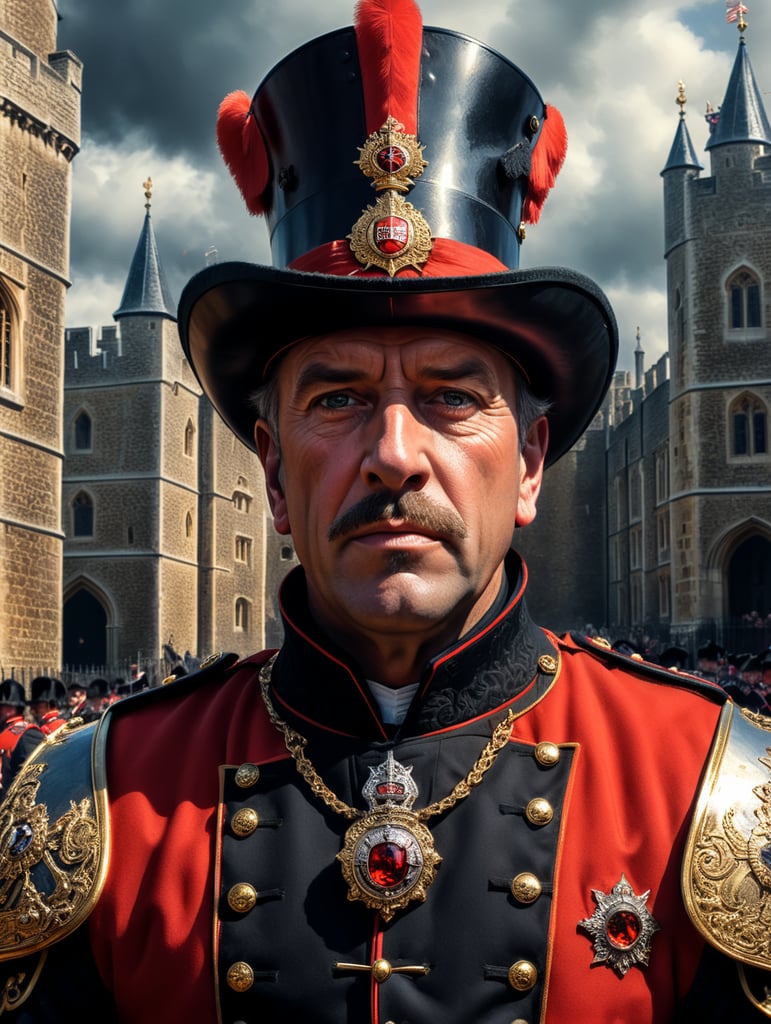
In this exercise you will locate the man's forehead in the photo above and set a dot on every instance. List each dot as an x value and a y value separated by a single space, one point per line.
419 348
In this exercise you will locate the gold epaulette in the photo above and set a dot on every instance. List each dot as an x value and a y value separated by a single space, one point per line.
727 865
54 842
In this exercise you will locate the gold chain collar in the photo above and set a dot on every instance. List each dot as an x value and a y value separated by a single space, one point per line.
388 857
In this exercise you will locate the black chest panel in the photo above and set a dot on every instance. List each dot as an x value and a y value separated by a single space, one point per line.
285 921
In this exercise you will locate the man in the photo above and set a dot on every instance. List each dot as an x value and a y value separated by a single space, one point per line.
76 699
424 807
18 737
47 696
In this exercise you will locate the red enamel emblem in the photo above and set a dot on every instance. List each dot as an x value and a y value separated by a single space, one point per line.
387 864
391 235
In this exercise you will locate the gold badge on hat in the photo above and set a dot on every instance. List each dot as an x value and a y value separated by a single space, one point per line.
622 927
392 234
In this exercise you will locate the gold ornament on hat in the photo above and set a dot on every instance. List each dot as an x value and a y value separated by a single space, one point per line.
392 234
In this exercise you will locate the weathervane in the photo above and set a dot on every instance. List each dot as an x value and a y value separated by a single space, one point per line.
148 187
681 97
735 12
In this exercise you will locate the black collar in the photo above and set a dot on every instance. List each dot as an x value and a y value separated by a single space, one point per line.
315 683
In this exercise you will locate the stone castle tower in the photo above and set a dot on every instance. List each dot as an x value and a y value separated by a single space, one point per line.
718 256
659 521
40 90
168 541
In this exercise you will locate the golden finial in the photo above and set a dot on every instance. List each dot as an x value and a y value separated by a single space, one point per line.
148 187
681 97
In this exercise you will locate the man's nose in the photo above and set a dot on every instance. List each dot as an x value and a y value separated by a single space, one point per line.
397 449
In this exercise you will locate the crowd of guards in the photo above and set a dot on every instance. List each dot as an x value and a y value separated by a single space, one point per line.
25 723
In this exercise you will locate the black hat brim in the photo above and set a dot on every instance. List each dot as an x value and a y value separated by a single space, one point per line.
557 326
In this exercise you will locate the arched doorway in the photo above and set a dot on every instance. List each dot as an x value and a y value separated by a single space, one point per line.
85 630
749 578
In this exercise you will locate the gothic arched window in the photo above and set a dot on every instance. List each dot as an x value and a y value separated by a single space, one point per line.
189 438
744 300
242 614
83 432
749 426
9 368
82 515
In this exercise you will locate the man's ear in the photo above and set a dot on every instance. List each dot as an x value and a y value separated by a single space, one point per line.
270 457
531 462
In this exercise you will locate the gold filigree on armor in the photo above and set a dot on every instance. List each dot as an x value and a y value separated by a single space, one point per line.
388 857
727 868
48 869
16 987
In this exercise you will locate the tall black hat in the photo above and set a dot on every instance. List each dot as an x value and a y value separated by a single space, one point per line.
43 688
12 692
407 111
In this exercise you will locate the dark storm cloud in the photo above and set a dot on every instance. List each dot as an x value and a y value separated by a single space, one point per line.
160 69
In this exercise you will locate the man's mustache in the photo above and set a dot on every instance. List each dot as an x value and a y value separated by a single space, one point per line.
413 507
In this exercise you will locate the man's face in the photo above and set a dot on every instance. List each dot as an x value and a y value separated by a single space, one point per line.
75 697
7 711
400 477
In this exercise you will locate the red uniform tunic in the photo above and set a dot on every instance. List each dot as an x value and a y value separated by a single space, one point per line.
632 752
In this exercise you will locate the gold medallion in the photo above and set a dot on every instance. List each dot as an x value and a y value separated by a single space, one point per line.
388 856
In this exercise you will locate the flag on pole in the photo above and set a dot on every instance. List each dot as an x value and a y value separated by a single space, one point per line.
733 11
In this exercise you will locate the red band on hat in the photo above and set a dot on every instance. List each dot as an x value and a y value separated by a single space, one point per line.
448 259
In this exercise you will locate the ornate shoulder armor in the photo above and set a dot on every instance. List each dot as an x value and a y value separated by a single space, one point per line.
53 842
727 865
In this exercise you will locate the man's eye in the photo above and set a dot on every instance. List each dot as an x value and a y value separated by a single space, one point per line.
339 400
456 399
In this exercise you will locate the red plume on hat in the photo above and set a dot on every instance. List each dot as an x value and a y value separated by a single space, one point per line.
243 149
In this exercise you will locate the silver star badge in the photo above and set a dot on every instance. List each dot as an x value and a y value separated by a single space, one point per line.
622 928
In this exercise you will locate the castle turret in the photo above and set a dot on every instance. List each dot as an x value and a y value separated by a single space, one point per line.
146 292
718 252
39 137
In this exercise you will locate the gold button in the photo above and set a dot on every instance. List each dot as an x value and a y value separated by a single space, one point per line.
242 897
539 812
245 821
523 975
526 888
247 775
520 1020
547 664
547 754
381 971
240 976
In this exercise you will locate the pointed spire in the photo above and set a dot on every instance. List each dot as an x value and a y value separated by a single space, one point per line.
146 292
742 116
682 154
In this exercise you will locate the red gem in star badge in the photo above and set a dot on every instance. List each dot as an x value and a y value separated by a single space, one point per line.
391 235
621 927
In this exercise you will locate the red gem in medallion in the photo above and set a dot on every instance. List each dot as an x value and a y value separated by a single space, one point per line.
391 235
387 864
623 929
391 159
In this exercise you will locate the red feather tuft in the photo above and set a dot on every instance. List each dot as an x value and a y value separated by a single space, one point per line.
547 160
243 149
389 36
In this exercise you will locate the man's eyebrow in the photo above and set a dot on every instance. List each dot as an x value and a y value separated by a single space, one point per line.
317 373
471 367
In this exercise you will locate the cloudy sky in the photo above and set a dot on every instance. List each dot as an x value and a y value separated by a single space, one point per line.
155 72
